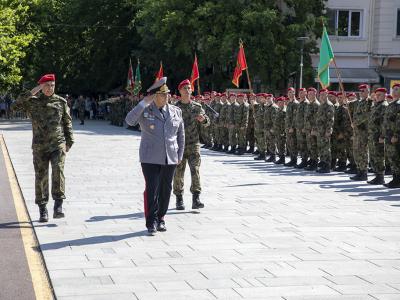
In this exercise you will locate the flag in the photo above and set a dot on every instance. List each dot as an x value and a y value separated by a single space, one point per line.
241 65
325 58
130 84
160 73
138 81
195 72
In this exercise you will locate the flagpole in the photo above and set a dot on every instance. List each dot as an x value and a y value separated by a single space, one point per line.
342 90
198 87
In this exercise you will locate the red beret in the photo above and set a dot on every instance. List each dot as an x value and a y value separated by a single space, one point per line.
311 89
241 95
351 95
363 86
46 78
339 94
280 99
396 85
184 83
232 94
324 91
332 93
269 95
381 90
206 93
291 89
302 90
388 96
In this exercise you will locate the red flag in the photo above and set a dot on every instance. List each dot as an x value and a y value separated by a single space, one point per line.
241 65
160 73
195 72
130 84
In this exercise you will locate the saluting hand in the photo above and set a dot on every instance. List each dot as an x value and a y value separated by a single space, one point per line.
149 99
200 118
36 89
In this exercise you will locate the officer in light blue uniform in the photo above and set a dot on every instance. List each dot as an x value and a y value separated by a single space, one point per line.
161 150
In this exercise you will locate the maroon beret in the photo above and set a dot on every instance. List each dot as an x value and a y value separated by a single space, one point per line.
363 86
46 78
381 90
184 83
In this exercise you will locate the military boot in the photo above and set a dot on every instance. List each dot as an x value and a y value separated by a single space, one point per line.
261 156
271 158
251 149
58 213
388 170
44 215
257 152
281 160
312 166
352 169
226 148
179 203
341 167
360 176
292 162
324 168
196 204
239 151
333 164
395 183
379 179
302 164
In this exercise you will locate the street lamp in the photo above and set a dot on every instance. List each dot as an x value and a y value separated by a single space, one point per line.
302 40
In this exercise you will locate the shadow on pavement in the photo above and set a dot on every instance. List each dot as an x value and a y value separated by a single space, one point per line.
133 216
11 225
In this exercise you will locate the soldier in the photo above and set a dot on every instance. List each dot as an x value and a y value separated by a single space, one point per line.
391 134
309 123
376 140
300 130
259 108
351 102
241 122
323 130
360 140
231 123
269 115
193 117
81 109
250 128
206 131
333 98
278 129
291 141
223 116
52 138
215 123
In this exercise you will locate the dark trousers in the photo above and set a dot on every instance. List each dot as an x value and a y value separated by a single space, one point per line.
158 180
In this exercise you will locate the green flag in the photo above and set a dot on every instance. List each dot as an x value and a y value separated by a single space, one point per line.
325 58
138 81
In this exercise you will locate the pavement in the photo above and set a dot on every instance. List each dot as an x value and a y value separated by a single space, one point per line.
267 231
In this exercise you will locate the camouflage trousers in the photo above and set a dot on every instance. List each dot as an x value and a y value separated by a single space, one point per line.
259 134
360 150
324 148
191 156
334 148
205 135
41 160
280 141
81 115
393 156
343 148
312 146
224 135
376 155
270 141
291 143
232 136
250 136
302 144
241 133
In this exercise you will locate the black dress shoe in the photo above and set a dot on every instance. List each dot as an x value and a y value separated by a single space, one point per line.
179 203
161 226
58 213
44 216
152 230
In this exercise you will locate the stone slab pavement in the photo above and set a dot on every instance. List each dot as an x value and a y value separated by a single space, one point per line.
267 231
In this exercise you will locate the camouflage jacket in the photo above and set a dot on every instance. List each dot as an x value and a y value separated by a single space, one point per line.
279 122
51 121
251 116
361 114
259 116
325 118
342 124
391 121
310 114
192 127
269 116
217 107
241 113
299 120
376 120
291 114
231 113
223 115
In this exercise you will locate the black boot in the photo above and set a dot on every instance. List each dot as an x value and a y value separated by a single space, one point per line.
388 170
58 213
341 167
44 215
395 183
220 148
251 149
257 152
292 162
333 164
361 176
352 169
233 150
261 156
312 166
179 203
324 168
281 160
302 164
239 151
226 148
379 179
196 204
271 158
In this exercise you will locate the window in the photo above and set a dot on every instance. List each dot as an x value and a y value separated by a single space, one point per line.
398 23
346 23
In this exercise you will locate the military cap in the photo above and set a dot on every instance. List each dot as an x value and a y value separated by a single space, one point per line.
291 89
159 87
332 93
280 99
46 78
241 95
363 86
396 85
268 95
311 89
381 90
184 83
324 91
339 94
302 90
388 96
351 95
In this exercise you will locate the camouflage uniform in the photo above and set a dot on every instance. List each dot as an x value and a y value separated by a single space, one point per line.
376 149
191 154
216 124
231 123
342 132
259 126
205 131
269 115
81 109
279 131
250 136
291 141
241 113
223 119
52 133
324 127
300 135
310 114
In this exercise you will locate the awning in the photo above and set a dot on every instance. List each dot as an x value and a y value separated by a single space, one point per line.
352 75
